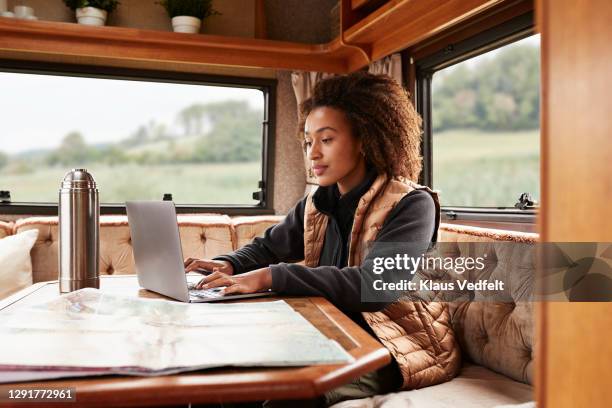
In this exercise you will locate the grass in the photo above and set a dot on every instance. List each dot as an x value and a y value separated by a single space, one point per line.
475 168
229 183
471 168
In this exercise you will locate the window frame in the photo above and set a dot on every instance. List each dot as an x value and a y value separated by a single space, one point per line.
510 31
266 85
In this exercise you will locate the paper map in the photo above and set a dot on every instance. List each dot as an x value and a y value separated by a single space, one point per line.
88 329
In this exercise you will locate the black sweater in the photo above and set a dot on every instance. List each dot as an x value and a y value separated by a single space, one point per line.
412 220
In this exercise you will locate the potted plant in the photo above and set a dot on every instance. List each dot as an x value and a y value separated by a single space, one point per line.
187 15
92 12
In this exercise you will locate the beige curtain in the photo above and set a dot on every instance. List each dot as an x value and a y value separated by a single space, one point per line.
391 65
304 83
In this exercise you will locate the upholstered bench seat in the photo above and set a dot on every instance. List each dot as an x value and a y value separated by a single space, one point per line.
496 338
474 387
201 236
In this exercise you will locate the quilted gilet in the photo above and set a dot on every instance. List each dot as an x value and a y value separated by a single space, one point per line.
418 334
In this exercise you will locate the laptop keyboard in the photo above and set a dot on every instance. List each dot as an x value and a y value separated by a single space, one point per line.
204 293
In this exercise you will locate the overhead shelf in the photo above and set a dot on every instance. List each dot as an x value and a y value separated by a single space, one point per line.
393 26
70 39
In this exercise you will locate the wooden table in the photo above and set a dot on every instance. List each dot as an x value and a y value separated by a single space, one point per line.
217 385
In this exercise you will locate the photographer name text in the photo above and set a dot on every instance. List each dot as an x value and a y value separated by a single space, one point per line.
430 285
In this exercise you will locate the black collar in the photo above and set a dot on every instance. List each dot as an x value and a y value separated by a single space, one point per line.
328 200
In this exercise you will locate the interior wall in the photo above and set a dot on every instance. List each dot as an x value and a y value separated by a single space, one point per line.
300 21
237 16
289 173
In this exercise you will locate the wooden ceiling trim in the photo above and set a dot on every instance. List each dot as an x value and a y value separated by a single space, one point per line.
171 66
402 23
474 26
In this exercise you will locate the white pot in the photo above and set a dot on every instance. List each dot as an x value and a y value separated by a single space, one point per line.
186 24
91 16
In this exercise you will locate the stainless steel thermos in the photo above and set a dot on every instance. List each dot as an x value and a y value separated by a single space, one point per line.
79 232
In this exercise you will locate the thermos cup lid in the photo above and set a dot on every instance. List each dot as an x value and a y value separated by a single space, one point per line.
78 178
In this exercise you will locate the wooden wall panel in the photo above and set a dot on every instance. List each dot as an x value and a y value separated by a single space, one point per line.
575 351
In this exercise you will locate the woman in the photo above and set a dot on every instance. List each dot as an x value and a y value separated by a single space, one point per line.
362 136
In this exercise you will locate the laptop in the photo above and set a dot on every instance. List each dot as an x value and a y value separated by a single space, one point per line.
159 257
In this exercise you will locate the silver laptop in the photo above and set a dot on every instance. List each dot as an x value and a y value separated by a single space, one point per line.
159 256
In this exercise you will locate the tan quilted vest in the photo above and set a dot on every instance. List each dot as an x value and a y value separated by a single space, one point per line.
418 334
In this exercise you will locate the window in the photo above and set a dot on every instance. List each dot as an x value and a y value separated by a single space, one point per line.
202 142
486 130
483 131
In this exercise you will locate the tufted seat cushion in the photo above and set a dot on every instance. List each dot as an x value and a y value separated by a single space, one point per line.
496 334
247 228
201 236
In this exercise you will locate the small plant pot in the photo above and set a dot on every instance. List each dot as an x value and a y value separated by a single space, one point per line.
91 16
186 24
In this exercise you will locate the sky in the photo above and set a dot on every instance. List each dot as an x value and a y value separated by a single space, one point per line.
533 40
37 111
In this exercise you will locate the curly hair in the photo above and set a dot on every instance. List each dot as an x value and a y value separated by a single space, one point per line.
381 116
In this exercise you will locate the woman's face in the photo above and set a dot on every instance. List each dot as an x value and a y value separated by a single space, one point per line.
332 149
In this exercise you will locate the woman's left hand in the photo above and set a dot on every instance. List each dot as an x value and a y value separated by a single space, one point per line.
258 280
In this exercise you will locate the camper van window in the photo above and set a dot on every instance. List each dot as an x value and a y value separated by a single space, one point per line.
202 140
486 128
480 102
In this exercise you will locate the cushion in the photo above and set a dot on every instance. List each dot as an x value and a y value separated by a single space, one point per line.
15 262
497 335
476 386
202 236
247 228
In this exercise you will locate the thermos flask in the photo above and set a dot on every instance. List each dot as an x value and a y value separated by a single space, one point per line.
79 232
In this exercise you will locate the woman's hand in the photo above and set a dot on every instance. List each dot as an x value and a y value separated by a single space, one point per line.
258 280
197 265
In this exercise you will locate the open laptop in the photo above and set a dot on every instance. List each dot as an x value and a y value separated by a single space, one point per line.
159 256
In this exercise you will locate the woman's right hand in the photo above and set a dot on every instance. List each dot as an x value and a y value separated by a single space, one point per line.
196 265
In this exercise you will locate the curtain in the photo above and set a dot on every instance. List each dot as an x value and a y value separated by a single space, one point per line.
304 82
391 65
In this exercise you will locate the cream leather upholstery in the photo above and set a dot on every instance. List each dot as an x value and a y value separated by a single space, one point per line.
497 335
201 236
247 228
493 337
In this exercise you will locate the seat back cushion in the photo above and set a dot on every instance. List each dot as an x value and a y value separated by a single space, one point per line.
201 236
247 228
498 333
15 262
